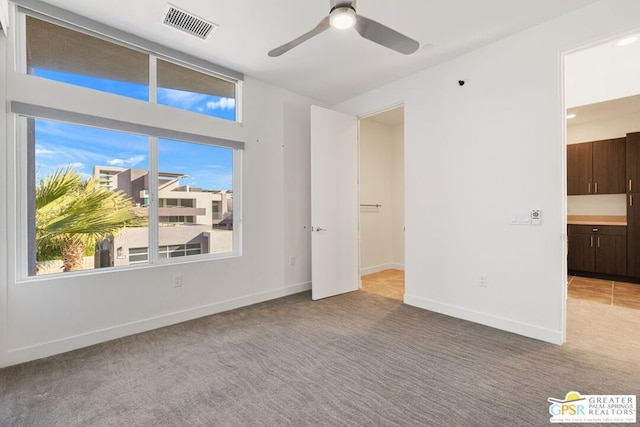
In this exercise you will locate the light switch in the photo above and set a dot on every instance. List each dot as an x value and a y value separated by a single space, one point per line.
520 217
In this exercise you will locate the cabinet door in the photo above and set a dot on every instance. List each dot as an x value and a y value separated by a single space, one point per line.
579 168
611 255
582 255
633 235
609 173
633 162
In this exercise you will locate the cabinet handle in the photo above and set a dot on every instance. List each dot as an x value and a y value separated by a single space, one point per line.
598 241
631 200
591 241
596 187
629 184
589 189
595 230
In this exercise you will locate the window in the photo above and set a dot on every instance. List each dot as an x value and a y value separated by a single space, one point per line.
174 251
72 201
141 255
206 176
58 53
138 255
91 182
65 55
102 193
194 91
181 219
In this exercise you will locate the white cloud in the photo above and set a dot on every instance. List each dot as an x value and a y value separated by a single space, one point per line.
179 98
41 151
222 104
77 165
131 161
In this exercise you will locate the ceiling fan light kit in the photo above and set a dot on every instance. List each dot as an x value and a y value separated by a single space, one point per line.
342 18
343 15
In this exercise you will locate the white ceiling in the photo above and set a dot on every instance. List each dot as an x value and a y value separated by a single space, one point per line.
607 110
335 65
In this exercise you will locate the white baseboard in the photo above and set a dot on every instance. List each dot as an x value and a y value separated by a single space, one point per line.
516 327
376 268
25 354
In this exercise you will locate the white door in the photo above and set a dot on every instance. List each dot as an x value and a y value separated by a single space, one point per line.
334 203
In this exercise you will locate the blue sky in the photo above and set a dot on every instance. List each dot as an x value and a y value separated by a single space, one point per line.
59 145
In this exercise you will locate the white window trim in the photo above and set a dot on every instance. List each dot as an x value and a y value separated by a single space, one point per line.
21 104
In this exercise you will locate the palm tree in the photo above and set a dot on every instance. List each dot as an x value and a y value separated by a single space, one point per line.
73 214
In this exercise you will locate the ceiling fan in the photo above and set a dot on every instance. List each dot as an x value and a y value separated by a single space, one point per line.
342 15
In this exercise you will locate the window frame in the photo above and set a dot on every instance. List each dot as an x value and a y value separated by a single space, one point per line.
44 110
131 42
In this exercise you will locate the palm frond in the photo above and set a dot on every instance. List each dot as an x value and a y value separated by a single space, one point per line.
68 207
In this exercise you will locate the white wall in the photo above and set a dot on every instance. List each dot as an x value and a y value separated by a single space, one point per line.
473 153
602 72
380 183
43 316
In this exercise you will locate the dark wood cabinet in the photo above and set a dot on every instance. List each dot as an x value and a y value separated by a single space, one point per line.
582 256
633 162
633 204
611 254
598 249
579 168
633 234
609 166
596 167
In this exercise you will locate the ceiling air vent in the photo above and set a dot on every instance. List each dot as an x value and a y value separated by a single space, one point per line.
188 22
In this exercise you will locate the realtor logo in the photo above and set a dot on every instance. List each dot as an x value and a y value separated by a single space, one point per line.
577 408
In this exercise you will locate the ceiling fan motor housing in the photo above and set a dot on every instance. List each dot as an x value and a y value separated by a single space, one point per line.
342 3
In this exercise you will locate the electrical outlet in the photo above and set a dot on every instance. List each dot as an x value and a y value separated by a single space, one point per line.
177 280
292 260
484 280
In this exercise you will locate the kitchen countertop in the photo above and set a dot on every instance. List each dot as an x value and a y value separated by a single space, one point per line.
620 220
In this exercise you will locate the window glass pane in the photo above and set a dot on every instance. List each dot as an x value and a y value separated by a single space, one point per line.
187 89
87 196
65 55
198 177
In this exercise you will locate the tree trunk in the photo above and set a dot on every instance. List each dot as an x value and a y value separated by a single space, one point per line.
72 254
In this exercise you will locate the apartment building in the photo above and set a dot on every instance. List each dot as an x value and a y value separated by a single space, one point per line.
191 221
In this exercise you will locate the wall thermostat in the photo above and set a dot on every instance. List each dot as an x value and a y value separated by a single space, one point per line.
536 216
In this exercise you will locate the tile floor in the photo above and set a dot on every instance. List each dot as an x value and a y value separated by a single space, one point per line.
605 291
390 284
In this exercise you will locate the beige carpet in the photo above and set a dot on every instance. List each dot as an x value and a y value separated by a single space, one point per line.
604 331
358 359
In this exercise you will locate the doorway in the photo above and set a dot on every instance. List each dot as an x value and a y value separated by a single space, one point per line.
602 100
381 188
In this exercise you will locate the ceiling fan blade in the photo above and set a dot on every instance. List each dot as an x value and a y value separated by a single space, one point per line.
385 36
322 25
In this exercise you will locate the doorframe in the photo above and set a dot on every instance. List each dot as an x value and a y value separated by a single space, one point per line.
367 115
563 158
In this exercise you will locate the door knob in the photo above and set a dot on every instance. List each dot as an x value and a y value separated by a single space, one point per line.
318 229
